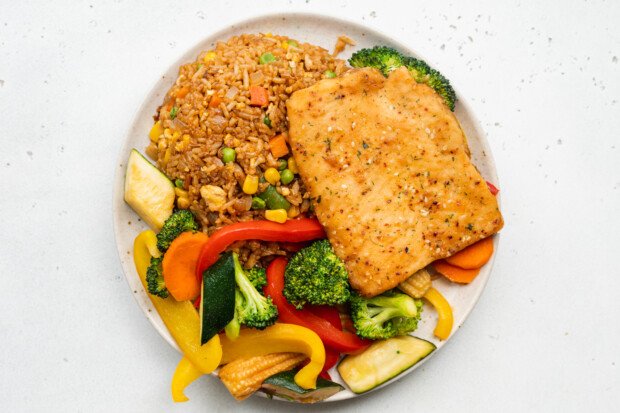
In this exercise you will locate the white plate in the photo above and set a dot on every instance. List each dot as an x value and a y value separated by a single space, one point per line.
322 31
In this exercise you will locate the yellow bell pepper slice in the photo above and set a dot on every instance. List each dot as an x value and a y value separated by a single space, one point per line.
180 317
185 374
279 338
444 313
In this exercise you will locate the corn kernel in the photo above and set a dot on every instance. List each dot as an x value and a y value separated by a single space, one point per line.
181 192
272 176
166 159
292 165
210 56
250 185
284 45
182 203
276 215
184 144
293 211
156 131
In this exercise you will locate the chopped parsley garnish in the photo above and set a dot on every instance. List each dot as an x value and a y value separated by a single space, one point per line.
173 112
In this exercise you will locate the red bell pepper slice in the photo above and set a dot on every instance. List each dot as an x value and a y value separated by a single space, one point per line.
327 312
331 358
492 188
294 246
332 315
294 230
332 337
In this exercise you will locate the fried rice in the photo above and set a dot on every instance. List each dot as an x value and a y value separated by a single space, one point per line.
208 108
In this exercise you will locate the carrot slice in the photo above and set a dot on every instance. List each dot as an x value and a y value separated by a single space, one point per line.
474 256
179 265
278 146
258 96
168 106
181 93
215 101
455 274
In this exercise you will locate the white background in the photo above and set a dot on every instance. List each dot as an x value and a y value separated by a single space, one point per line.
543 77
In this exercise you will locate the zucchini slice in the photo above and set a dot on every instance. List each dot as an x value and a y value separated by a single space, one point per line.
382 361
217 302
148 191
283 385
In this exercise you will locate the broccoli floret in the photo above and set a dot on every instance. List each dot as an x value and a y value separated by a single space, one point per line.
384 316
233 328
155 279
422 73
258 277
383 58
315 275
251 307
181 221
386 59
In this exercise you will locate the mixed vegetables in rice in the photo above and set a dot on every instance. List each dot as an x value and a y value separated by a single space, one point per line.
237 264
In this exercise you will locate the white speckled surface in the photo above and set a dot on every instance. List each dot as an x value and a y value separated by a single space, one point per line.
544 79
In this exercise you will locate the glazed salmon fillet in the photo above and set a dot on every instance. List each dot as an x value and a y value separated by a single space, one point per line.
388 169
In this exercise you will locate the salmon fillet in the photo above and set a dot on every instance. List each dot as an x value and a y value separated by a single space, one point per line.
388 169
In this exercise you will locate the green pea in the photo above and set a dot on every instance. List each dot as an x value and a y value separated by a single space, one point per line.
292 43
179 183
267 121
258 203
286 176
266 58
282 164
330 74
228 155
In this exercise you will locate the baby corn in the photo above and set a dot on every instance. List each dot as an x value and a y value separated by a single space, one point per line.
417 285
242 377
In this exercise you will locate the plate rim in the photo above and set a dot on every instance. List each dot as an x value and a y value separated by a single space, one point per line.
462 105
